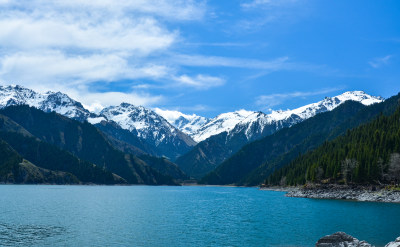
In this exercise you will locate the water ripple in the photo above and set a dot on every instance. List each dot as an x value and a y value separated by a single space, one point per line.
27 235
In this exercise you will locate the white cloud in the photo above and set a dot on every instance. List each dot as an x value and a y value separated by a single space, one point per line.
200 81
222 44
97 101
169 9
172 10
262 13
380 61
266 3
76 46
27 31
213 61
271 100
56 67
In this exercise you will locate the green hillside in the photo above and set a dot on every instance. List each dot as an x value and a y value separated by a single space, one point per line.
368 154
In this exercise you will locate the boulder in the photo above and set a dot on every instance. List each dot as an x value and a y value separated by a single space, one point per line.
395 243
341 239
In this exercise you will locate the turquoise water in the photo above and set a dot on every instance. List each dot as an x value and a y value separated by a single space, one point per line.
44 215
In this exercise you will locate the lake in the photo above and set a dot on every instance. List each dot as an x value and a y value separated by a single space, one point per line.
48 215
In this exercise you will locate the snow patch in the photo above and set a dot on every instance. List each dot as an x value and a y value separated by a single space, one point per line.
219 124
96 120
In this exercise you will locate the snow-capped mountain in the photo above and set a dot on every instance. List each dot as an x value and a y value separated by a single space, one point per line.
211 152
251 123
151 127
47 102
219 124
172 132
328 104
254 125
188 124
146 124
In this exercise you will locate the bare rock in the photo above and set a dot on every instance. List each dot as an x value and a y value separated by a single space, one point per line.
341 239
395 243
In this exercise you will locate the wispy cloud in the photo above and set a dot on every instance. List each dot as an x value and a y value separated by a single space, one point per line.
262 13
266 3
201 82
214 61
74 45
380 61
222 44
97 101
271 100
172 111
172 10
49 67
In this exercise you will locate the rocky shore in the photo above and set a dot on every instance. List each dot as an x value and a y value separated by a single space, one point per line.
341 239
357 193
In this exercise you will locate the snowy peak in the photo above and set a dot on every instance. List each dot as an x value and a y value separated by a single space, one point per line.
164 138
221 123
64 105
50 101
132 117
328 104
254 125
17 95
165 126
360 96
148 124
188 124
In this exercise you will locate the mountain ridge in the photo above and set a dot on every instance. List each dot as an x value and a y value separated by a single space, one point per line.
173 134
64 105
211 152
256 160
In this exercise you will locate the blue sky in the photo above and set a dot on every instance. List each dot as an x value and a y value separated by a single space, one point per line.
203 57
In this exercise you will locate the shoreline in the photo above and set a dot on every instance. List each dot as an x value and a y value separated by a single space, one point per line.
341 192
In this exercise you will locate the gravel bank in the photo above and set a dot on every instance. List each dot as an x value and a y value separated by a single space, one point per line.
357 193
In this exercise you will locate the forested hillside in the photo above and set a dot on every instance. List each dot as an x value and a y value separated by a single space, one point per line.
58 143
257 160
367 154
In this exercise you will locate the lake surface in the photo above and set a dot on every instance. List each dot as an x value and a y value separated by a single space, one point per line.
46 215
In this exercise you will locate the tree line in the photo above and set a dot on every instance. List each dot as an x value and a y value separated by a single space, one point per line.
368 154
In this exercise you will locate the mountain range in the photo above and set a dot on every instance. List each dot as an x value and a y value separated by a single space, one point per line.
159 136
254 162
57 143
211 152
368 154
155 137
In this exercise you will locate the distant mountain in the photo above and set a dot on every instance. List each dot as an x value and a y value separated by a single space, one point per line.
257 160
221 123
47 102
208 154
259 124
150 127
155 135
188 124
173 134
165 167
124 140
82 140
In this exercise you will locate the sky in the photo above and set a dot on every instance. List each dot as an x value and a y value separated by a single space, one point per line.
198 56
